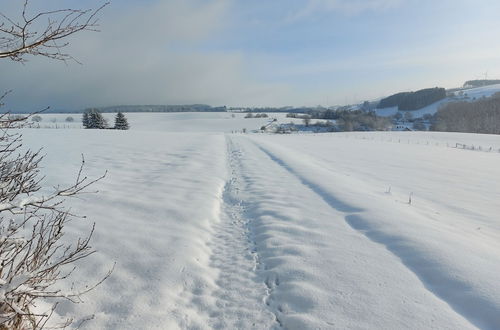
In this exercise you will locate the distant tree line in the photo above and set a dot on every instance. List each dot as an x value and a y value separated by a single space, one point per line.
324 114
257 115
413 100
481 82
481 116
354 120
278 110
162 108
304 116
392 101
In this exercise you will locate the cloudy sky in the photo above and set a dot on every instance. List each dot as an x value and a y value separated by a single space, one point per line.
260 52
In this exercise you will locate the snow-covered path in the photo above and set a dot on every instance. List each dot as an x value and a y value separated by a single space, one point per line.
240 293
330 275
232 231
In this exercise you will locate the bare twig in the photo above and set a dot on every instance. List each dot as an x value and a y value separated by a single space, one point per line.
20 37
34 257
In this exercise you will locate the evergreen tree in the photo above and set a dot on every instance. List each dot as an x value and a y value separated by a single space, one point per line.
85 119
94 119
120 121
99 120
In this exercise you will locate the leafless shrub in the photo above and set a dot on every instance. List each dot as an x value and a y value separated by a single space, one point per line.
35 258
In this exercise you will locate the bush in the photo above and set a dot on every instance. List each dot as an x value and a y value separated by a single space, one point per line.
36 119
31 228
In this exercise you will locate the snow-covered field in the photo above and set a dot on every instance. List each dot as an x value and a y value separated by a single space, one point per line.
214 230
174 122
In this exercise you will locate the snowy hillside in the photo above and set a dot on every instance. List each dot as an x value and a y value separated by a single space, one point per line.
468 94
213 230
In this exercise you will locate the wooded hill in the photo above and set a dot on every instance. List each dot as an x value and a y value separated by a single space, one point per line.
413 100
480 116
480 83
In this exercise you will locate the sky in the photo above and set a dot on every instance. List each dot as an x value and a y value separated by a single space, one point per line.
258 52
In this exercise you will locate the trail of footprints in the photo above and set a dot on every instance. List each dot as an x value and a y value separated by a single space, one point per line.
242 294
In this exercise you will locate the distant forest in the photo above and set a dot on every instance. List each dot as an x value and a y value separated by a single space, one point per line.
481 116
163 108
413 100
481 82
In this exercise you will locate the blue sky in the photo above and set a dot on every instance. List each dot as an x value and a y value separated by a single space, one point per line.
257 53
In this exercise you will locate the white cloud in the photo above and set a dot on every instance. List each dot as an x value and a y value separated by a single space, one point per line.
162 52
145 54
346 7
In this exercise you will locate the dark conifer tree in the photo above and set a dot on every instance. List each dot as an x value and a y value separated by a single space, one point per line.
94 119
85 119
120 121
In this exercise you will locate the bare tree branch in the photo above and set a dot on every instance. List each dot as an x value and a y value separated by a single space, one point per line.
23 37
34 256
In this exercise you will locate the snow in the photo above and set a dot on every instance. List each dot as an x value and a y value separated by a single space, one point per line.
430 109
485 91
471 94
181 122
427 234
6 206
213 230
386 112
